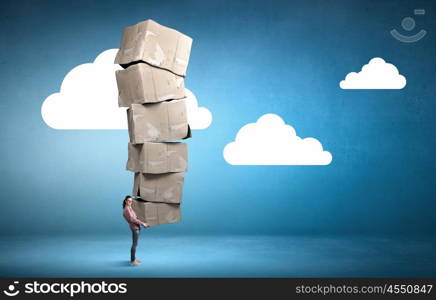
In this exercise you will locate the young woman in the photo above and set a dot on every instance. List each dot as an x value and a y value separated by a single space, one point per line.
134 224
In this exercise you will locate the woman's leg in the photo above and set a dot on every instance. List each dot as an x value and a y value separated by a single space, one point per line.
135 237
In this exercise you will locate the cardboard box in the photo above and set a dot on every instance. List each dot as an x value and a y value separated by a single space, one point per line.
156 45
167 188
156 213
142 83
158 122
157 158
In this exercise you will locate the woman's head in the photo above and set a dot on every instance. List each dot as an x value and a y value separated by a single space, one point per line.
127 201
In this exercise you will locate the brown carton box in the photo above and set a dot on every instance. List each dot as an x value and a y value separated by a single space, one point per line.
142 83
157 158
158 122
167 188
156 213
156 45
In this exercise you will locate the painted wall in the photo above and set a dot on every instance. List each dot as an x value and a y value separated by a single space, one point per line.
248 58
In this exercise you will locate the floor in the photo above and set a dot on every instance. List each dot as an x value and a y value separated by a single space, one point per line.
218 256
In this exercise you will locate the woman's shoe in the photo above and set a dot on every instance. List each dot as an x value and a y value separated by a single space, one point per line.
135 263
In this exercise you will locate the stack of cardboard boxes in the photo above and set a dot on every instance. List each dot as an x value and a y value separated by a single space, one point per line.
151 85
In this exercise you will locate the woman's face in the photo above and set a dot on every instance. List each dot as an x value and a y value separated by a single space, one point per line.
129 201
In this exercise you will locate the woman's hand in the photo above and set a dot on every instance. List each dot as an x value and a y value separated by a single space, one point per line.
145 225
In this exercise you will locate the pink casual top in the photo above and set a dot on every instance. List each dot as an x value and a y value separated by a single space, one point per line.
131 218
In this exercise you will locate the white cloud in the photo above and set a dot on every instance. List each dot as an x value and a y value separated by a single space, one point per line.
88 99
198 117
270 141
377 74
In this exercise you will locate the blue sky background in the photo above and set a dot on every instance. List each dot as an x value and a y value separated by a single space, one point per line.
248 58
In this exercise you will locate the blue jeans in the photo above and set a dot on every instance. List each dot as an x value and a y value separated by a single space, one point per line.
135 237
